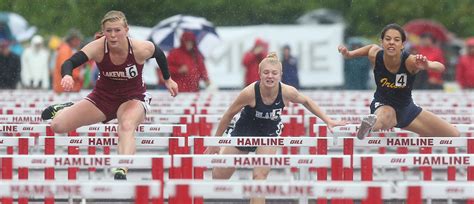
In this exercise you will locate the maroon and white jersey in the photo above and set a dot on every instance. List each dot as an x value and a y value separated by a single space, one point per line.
120 80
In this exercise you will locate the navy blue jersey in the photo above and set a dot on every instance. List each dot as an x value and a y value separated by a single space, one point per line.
261 120
393 89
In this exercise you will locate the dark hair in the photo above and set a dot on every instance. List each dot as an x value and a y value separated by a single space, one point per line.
396 27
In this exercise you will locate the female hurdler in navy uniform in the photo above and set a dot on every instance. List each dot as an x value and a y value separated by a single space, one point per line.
262 102
394 72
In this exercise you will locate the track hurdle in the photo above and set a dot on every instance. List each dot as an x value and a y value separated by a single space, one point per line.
418 191
350 110
21 131
167 119
140 192
347 130
23 144
367 192
175 130
310 120
204 123
423 143
171 110
85 141
21 119
368 162
26 129
156 163
20 111
320 130
293 124
200 143
189 163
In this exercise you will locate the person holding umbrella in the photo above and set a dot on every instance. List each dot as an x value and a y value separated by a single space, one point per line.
119 92
186 64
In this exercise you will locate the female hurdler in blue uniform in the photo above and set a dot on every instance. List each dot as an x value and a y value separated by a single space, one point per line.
394 72
262 102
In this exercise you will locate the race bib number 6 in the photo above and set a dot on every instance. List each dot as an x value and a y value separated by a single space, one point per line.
131 71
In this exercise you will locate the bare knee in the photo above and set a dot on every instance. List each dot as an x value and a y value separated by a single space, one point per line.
222 173
386 124
58 127
386 120
455 133
127 126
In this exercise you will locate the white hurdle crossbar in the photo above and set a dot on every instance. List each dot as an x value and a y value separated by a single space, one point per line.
149 128
185 190
347 130
109 141
140 191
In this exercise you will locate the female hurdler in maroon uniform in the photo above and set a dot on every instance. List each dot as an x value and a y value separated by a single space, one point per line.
119 92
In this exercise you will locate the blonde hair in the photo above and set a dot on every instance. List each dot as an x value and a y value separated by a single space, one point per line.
114 16
271 59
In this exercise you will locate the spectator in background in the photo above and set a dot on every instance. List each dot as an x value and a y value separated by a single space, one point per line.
64 52
252 59
290 68
356 70
17 47
186 64
429 79
35 65
465 66
53 45
10 66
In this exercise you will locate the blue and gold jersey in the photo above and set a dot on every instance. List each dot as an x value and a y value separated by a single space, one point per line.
393 89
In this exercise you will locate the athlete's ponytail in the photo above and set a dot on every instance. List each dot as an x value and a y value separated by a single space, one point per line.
271 59
272 55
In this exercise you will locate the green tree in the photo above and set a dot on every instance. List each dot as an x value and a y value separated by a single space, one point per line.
363 17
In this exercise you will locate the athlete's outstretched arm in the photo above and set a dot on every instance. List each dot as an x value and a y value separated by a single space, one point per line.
366 51
160 58
295 96
420 62
245 98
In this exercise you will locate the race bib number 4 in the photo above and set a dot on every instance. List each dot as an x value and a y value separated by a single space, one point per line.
401 80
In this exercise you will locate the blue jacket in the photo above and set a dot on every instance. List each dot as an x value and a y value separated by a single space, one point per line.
290 72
